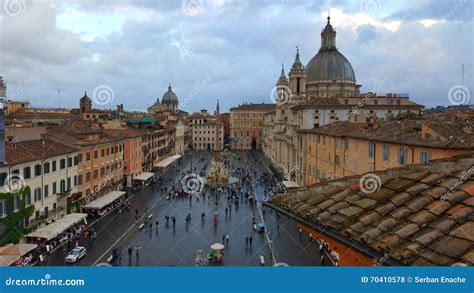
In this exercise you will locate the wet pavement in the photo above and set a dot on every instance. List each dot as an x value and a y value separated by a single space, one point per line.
177 246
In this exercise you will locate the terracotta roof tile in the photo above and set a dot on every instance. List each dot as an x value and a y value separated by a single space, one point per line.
452 246
456 197
469 257
401 213
422 217
381 195
428 238
445 225
469 189
351 211
465 231
400 198
436 192
438 207
369 218
387 224
432 179
407 230
460 214
398 184
411 216
418 203
385 208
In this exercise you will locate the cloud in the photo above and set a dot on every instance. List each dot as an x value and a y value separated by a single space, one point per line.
138 47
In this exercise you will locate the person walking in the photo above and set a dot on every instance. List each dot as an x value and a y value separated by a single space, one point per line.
174 221
323 260
130 250
157 224
300 231
227 239
250 240
246 240
310 237
223 238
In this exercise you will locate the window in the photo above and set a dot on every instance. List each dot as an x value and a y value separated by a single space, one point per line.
37 194
62 164
371 149
46 167
385 152
346 144
28 198
69 183
96 154
27 172
425 157
402 156
336 159
15 203
46 191
37 170
3 212
55 190
88 156
102 153
69 162
62 186
53 166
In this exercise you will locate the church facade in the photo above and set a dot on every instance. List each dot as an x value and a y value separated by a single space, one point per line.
322 92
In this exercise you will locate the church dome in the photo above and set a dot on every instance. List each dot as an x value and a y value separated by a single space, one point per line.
85 99
329 64
169 97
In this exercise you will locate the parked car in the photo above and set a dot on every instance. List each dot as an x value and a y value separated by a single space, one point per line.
76 254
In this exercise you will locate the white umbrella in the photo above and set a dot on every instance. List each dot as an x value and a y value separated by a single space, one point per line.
217 246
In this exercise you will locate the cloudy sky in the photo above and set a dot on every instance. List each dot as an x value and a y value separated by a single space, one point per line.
128 51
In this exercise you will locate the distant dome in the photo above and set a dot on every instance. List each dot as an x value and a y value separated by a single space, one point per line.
329 64
169 97
85 98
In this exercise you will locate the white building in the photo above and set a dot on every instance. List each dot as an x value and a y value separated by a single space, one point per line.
50 170
207 132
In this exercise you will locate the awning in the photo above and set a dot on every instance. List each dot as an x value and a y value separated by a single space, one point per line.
13 252
144 176
168 161
54 229
290 184
104 200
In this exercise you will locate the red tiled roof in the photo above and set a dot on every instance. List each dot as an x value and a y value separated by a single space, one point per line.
420 214
27 151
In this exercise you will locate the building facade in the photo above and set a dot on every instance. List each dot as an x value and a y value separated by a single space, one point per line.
100 158
207 132
323 92
246 125
343 148
49 169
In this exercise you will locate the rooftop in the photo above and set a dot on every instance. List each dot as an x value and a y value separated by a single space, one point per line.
410 132
254 107
417 215
27 151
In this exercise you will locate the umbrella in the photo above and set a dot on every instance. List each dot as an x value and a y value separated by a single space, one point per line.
261 225
13 252
217 246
